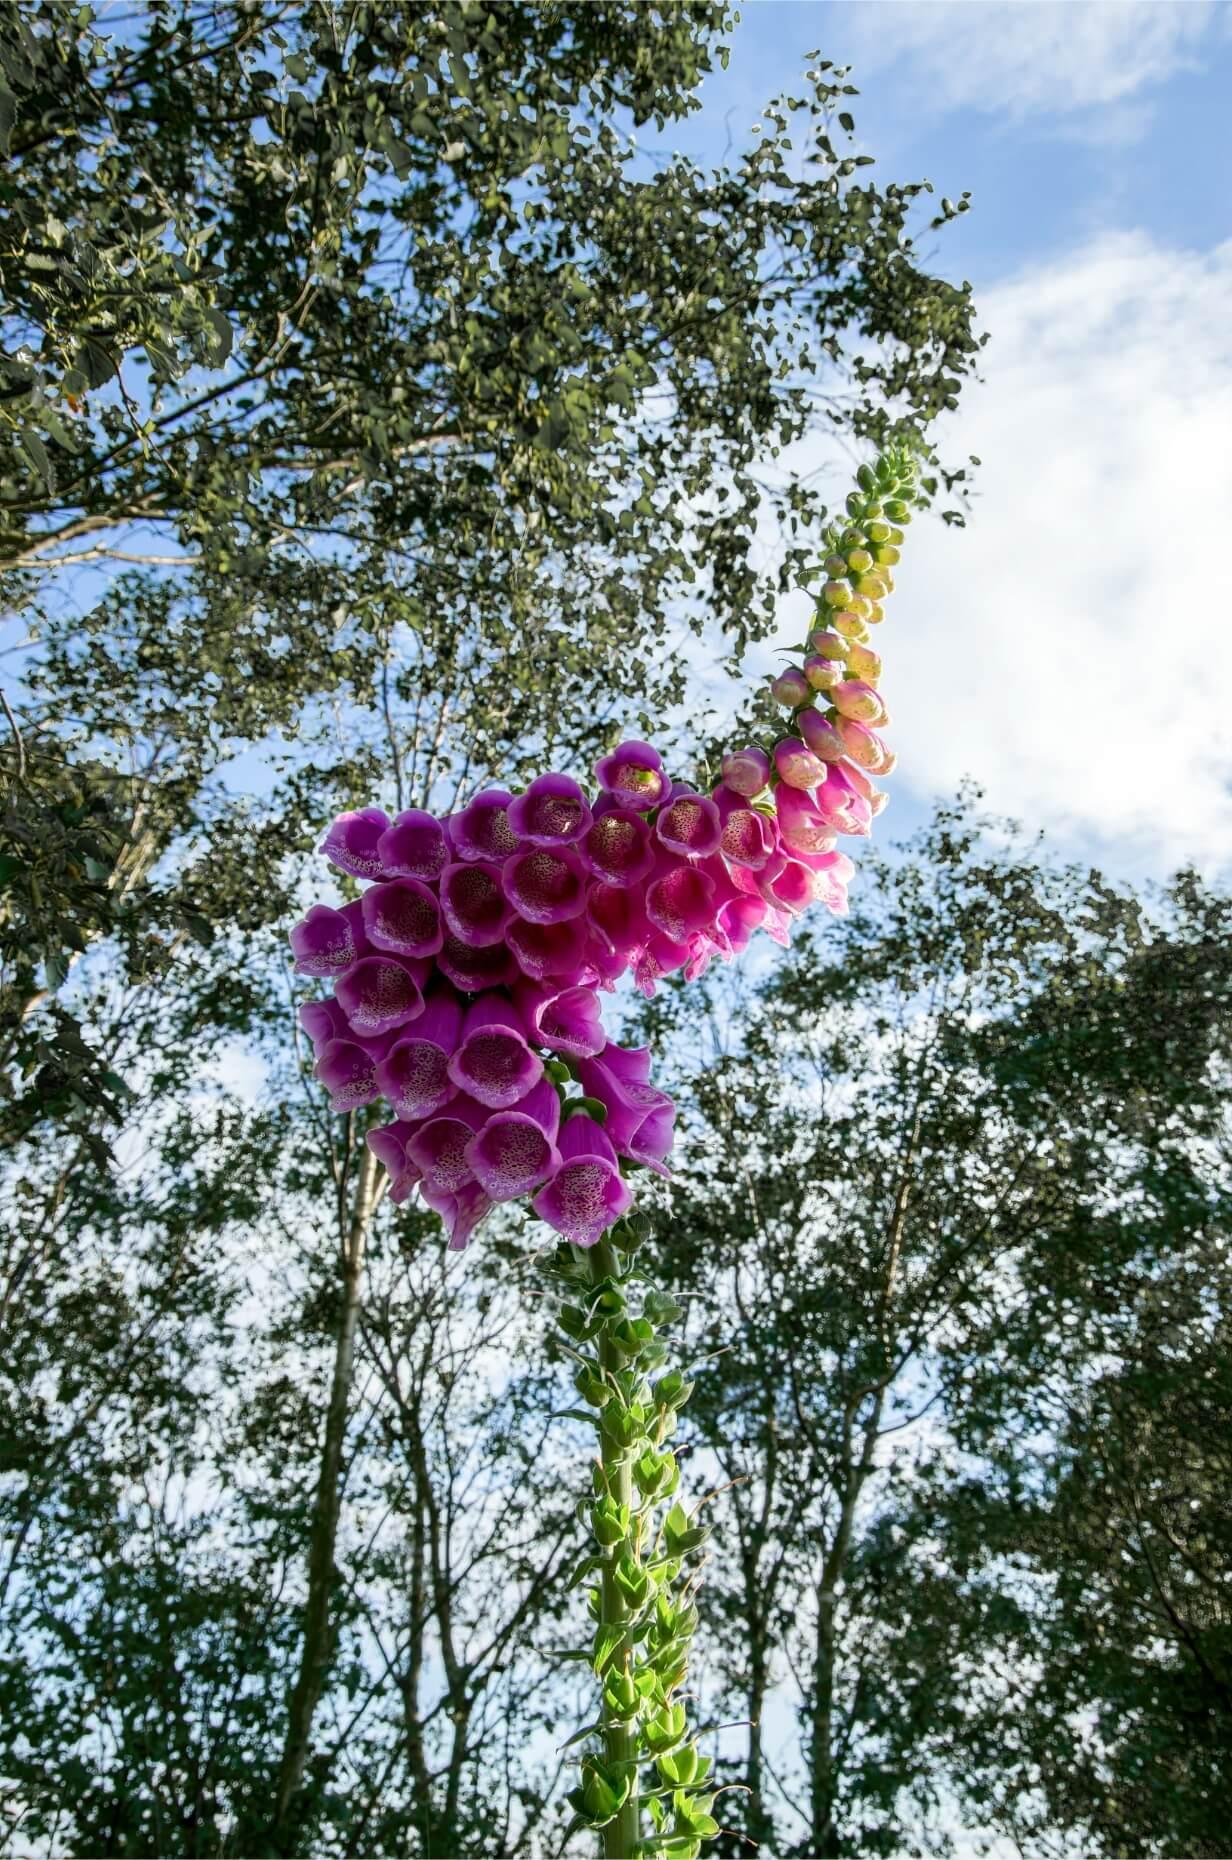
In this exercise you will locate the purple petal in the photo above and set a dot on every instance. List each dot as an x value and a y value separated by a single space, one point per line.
493 1062
681 902
689 826
634 772
414 1076
552 812
352 842
516 1150
474 904
587 1193
323 1021
482 830
565 1019
618 916
471 969
388 1145
381 992
414 847
348 1075
438 1148
402 917
461 1213
544 950
617 847
545 887
327 942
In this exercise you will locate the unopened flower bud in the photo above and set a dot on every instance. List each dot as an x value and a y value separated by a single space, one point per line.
897 511
821 736
835 565
855 504
859 561
862 661
797 765
850 626
860 743
791 688
887 555
824 674
896 537
829 644
872 587
856 699
866 478
859 604
747 771
875 614
878 531
836 594
853 537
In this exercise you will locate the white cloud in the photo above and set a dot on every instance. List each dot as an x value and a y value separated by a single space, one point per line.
1032 56
1072 648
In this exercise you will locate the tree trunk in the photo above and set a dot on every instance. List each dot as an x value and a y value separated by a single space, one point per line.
317 1640
824 1835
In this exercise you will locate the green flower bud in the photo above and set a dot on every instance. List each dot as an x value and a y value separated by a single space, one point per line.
835 565
872 587
896 537
878 532
866 478
609 1522
887 555
897 511
591 1386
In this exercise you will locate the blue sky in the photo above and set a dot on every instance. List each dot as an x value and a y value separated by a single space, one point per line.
1070 647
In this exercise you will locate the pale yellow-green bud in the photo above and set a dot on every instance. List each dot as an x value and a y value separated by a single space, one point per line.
878 532
886 555
863 662
860 604
836 594
873 587
875 614
859 561
851 626
896 537
835 566
853 538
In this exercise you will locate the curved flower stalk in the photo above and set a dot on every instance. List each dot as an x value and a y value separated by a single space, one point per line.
467 979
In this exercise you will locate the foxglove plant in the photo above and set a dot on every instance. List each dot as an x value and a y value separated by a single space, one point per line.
467 980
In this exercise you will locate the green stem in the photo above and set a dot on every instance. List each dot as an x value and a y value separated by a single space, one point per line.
622 1835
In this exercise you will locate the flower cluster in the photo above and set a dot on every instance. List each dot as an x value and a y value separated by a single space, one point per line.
466 974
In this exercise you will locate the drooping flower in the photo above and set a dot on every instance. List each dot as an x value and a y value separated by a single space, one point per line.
587 1193
802 825
749 837
681 900
327 942
402 917
863 745
790 688
413 847
639 1116
552 812
482 829
546 951
460 1212
473 902
855 698
378 993
634 772
616 847
493 1060
689 825
471 969
564 1019
348 1072
516 1151
821 736
438 1148
841 803
388 1145
796 763
545 887
414 1074
352 842
618 916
